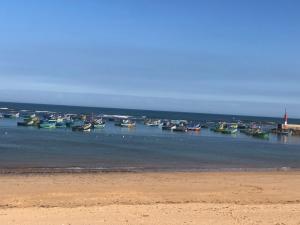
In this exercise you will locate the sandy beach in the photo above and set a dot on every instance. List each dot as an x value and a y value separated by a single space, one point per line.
151 198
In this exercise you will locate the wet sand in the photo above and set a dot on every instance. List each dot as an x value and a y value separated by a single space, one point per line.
151 198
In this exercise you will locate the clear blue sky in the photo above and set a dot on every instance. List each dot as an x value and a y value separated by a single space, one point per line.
239 57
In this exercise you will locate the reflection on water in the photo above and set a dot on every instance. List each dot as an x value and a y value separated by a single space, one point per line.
282 138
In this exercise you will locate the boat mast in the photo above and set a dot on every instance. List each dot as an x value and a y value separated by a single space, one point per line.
285 118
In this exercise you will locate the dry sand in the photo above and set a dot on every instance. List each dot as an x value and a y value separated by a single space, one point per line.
151 198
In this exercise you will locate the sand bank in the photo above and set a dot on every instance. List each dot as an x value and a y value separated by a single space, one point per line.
151 198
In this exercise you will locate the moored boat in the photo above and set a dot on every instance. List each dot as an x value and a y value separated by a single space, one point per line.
152 123
30 120
98 123
48 124
219 127
230 130
125 123
180 128
261 134
196 127
255 131
85 127
11 115
168 126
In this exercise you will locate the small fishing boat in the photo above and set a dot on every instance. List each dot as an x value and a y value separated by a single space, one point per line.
30 120
48 124
230 130
179 122
219 127
85 127
255 131
180 128
11 115
233 125
168 126
98 123
152 123
261 134
125 123
196 127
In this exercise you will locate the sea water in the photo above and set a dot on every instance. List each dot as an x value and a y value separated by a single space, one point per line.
141 148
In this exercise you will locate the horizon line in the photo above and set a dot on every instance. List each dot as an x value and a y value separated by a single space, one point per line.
152 110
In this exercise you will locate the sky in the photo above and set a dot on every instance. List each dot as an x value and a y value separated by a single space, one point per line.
228 57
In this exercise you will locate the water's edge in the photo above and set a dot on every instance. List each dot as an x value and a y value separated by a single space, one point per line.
79 170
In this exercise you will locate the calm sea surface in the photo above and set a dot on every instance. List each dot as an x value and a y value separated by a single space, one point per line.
142 148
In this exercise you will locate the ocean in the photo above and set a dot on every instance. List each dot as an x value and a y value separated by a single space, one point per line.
141 148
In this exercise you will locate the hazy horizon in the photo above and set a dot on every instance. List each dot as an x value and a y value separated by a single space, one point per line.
218 57
146 109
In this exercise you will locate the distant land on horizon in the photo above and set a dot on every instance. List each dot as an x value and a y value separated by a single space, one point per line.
135 109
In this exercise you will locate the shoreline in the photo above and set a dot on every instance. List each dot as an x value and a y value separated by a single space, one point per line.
81 170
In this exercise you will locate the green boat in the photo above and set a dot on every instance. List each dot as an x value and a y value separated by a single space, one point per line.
255 132
220 127
261 134
230 130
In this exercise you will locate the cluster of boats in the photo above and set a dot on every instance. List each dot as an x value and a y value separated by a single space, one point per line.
255 131
180 126
86 123
81 123
232 128
225 128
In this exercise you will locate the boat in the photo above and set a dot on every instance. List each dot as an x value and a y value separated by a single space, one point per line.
48 124
29 120
230 130
255 131
180 128
25 123
196 127
261 134
232 125
152 123
125 123
11 115
177 122
219 127
98 123
168 126
85 127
